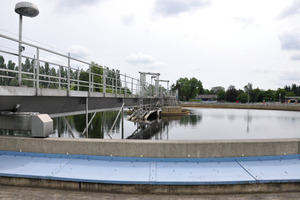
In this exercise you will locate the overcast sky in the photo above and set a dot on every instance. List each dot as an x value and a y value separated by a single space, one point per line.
220 42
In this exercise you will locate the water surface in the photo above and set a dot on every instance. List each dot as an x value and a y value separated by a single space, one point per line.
205 124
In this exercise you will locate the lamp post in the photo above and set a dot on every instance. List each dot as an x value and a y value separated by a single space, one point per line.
279 97
29 10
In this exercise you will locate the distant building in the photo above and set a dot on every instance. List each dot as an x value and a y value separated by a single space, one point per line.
292 99
209 97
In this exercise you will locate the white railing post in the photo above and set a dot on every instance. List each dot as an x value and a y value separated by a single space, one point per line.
78 79
69 73
90 78
59 77
104 81
116 82
33 70
125 92
131 87
37 71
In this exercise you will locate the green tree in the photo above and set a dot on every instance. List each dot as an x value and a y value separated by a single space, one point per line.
183 88
221 95
52 72
27 67
269 95
196 87
295 89
97 71
188 88
12 66
254 95
231 94
243 97
280 93
290 94
215 90
2 73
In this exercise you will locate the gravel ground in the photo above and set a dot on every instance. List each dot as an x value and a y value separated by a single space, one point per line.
12 193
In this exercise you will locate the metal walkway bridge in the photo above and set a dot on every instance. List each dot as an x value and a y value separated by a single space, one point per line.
69 86
41 78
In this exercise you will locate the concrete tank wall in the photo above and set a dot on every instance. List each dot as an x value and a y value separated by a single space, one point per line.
146 148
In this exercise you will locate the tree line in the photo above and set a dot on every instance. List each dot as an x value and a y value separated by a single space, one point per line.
191 88
48 76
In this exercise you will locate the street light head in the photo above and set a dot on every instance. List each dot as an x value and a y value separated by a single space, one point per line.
27 9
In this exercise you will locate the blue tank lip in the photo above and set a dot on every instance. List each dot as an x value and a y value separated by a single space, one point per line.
150 159
150 169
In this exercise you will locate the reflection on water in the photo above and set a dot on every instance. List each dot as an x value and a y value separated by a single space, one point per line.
100 125
201 124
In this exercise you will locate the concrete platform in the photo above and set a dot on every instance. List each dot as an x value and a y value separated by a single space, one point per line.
151 171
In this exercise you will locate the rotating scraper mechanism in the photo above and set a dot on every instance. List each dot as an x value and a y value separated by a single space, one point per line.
27 9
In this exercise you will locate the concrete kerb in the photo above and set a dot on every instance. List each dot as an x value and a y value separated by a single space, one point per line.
152 189
283 107
154 149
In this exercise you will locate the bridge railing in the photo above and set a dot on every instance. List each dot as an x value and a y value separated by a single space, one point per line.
65 72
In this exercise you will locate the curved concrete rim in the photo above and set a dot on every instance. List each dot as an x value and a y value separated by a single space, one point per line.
154 149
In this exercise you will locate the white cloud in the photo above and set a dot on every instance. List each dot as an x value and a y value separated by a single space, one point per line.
176 7
290 10
139 58
290 76
79 51
295 57
244 20
290 40
128 19
73 5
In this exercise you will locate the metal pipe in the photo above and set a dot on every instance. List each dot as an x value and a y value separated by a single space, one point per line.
89 123
115 121
69 127
20 51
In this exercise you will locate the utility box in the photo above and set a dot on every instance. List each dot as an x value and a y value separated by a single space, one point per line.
41 125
